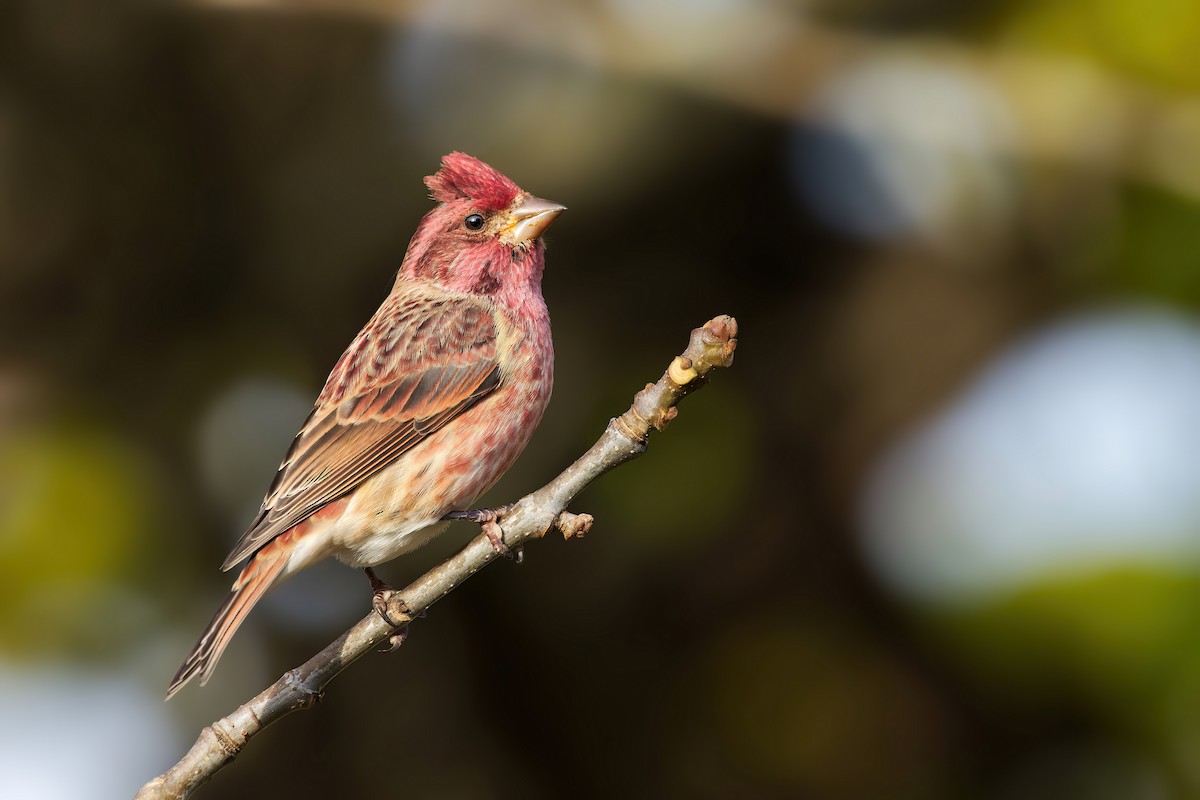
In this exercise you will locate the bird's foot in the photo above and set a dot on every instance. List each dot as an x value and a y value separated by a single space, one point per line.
488 519
395 640
385 601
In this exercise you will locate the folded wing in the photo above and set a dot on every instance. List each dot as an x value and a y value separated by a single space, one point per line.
416 366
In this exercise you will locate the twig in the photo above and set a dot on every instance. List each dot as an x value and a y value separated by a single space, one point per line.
711 346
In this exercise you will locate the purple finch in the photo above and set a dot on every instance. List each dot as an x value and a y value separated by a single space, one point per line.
427 408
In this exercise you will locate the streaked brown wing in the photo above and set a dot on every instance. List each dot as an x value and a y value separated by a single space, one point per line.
416 366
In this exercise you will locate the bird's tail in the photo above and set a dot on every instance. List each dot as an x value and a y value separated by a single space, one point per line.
256 578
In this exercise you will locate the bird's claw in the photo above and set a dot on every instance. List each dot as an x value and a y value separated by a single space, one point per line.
384 600
395 640
488 520
481 516
495 535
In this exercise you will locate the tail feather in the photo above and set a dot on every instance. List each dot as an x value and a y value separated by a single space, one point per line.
259 575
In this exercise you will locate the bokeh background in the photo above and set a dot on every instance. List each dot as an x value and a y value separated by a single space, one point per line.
935 535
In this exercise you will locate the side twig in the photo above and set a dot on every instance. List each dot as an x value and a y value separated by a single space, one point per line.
710 346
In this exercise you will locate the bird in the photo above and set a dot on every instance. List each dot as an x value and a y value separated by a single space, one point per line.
430 404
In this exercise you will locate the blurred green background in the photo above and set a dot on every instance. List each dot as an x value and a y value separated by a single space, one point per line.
935 535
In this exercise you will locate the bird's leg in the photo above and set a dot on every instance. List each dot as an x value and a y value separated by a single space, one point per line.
383 597
488 519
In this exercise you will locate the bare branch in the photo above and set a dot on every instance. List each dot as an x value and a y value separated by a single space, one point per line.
711 346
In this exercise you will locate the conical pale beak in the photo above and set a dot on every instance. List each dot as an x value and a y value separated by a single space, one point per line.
532 217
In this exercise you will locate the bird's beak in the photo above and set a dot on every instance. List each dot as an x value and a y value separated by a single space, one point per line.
530 219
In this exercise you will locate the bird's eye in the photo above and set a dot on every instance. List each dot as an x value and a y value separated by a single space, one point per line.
474 222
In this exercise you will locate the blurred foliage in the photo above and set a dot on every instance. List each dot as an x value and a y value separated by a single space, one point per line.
76 501
201 203
1117 638
1116 650
1155 41
1157 256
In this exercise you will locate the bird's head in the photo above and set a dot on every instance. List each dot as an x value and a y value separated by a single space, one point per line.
484 236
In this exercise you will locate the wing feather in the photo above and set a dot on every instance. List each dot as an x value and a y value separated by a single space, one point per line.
416 366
